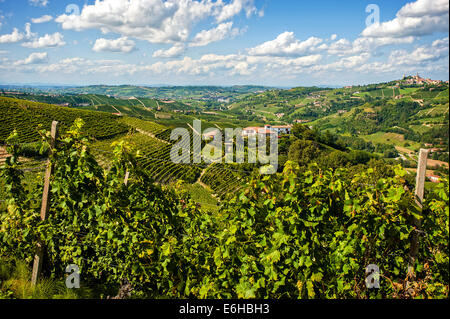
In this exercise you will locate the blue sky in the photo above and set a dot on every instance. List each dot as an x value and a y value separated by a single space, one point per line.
221 42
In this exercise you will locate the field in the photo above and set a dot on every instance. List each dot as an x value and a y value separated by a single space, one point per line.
393 139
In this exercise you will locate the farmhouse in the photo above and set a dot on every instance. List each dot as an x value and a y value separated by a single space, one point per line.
282 129
267 130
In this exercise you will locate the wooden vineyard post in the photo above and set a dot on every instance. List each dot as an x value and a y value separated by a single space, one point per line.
37 265
420 186
127 176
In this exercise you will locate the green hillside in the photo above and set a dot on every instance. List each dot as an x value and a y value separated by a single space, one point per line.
132 106
26 116
165 92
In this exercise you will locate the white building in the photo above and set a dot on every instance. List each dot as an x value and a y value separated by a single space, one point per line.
267 130
282 129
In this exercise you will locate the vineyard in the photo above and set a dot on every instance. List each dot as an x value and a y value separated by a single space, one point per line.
132 106
223 179
152 139
296 234
147 126
26 117
154 158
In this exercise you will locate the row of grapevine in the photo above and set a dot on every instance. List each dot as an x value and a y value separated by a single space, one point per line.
154 158
26 116
147 126
223 179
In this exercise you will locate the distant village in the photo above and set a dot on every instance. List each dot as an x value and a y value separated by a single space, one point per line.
418 80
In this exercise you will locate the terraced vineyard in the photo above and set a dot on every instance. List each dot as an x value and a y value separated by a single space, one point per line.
155 158
26 116
92 102
147 126
223 179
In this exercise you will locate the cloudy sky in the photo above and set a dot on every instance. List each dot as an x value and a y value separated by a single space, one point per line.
222 42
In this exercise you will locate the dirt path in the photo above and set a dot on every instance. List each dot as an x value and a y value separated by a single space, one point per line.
430 111
206 186
434 163
152 135
93 104
4 155
193 130
406 151
116 109
201 175
145 107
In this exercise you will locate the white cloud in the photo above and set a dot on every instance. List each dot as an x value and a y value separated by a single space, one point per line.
39 3
13 37
173 52
333 37
344 64
33 58
47 41
287 45
85 66
218 33
233 64
17 36
123 45
235 7
363 44
43 19
28 33
424 7
418 18
207 66
155 21
426 58
421 55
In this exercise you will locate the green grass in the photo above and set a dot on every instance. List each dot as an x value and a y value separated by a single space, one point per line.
407 91
391 138
15 283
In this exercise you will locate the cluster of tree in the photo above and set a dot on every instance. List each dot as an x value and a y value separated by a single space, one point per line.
326 149
396 114
440 156
358 143
245 115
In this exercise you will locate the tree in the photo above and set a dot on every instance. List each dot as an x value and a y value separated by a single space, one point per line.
303 152
335 159
298 130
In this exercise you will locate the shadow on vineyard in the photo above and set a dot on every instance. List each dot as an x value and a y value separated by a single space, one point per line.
302 233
